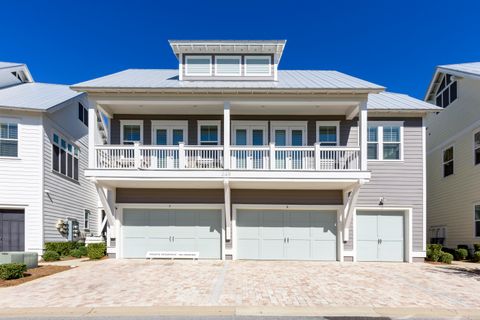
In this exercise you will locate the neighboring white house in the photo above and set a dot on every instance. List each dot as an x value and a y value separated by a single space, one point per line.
231 158
43 155
453 155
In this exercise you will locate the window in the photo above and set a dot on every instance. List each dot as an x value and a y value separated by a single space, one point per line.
446 92
257 65
65 157
227 66
477 220
83 114
448 162
384 141
208 133
86 220
476 147
8 140
328 133
132 131
198 65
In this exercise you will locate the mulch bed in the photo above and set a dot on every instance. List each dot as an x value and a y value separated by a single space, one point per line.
32 274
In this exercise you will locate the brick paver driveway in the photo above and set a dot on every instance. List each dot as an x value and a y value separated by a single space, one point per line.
253 283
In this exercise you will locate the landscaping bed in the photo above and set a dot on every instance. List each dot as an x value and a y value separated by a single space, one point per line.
34 273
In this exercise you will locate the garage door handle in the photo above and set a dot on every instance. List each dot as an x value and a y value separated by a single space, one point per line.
288 240
173 238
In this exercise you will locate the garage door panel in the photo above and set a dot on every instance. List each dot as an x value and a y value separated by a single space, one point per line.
324 250
272 249
390 226
391 250
209 225
157 244
367 227
298 249
247 225
208 248
135 247
248 248
272 226
324 226
367 250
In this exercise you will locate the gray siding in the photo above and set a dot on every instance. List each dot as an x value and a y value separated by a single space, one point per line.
127 195
400 182
348 128
67 197
292 197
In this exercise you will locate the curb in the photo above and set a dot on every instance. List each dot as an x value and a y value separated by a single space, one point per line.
278 311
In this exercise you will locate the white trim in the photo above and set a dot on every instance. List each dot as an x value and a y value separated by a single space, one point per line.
217 123
236 207
239 58
327 124
247 57
249 125
169 126
442 161
379 125
408 241
288 126
473 145
424 185
475 220
133 123
121 206
193 57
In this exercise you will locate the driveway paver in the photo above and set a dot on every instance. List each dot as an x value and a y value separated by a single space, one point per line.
111 283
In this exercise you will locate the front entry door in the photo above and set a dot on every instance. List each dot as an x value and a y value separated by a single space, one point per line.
380 236
168 134
12 230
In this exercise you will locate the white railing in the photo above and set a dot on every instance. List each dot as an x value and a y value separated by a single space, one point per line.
271 157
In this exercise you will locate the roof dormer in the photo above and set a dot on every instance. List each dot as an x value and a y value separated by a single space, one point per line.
228 59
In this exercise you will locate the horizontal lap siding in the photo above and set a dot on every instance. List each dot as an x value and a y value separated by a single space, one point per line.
348 128
400 183
67 198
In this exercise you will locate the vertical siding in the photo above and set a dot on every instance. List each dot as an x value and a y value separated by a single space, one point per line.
21 179
67 198
400 182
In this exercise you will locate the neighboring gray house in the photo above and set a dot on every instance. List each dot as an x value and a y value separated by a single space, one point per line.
453 155
43 154
229 157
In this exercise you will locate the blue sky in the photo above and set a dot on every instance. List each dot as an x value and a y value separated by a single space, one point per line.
393 43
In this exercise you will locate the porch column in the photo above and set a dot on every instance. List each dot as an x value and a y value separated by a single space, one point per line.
226 135
363 132
92 127
228 220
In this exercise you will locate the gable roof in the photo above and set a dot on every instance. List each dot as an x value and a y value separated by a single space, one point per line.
468 70
35 96
389 101
167 79
4 65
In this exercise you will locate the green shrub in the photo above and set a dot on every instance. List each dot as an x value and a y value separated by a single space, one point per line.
434 251
476 256
96 250
76 253
461 254
51 256
476 247
83 251
12 270
446 257
62 248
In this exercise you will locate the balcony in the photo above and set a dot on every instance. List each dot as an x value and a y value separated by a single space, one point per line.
243 158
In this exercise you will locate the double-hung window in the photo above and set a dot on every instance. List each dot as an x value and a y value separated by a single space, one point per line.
132 131
477 219
476 147
209 133
65 157
8 139
83 114
198 65
328 133
448 168
384 141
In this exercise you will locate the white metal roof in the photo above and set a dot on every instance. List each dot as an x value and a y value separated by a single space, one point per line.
389 101
4 64
471 68
287 80
35 96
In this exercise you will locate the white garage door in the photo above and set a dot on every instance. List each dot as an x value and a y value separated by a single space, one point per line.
380 236
286 235
171 230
